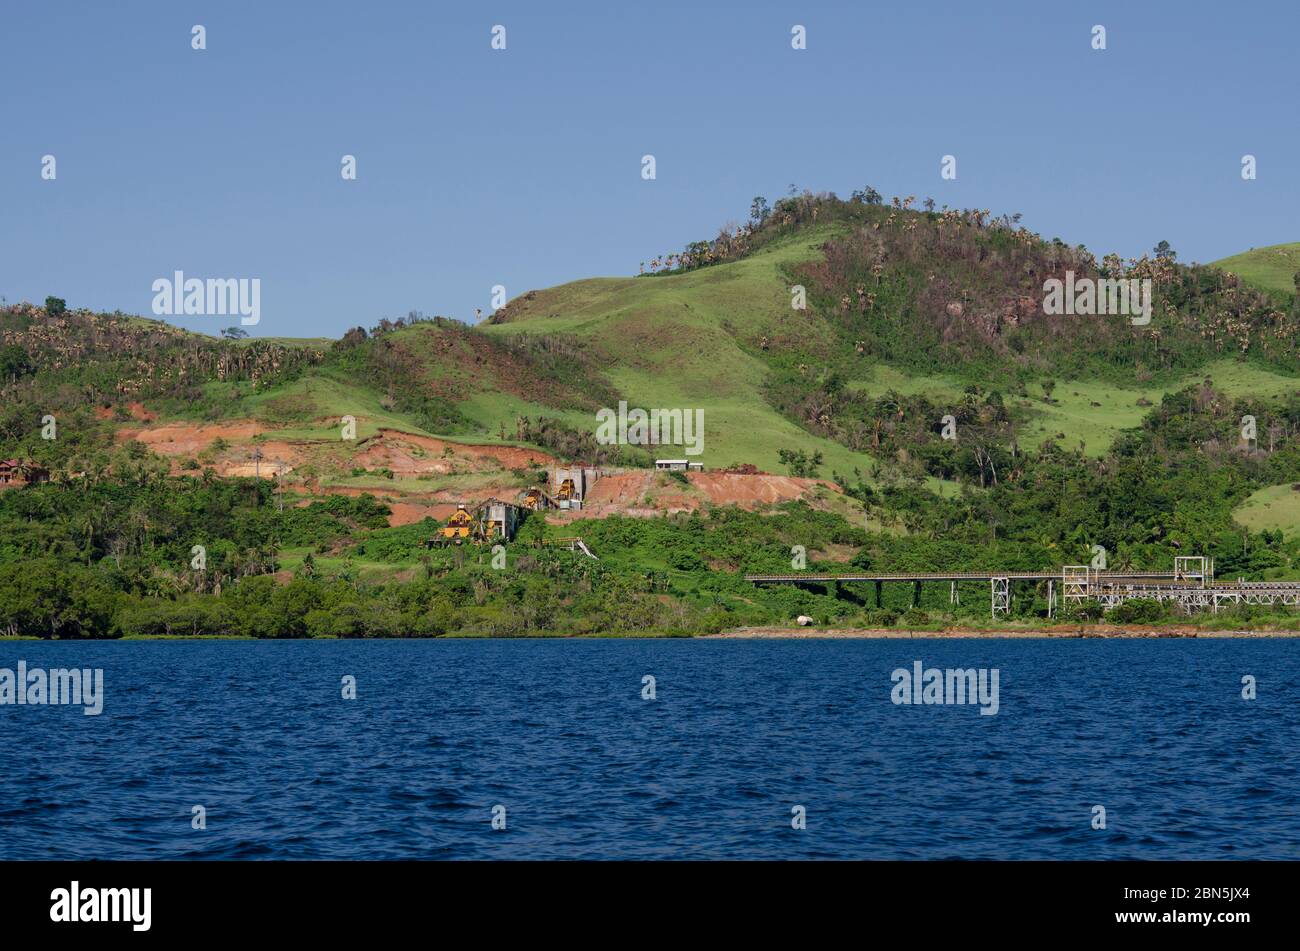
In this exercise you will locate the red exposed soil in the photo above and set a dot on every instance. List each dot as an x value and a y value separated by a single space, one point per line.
408 513
653 493
187 439
136 410
182 441
753 491
408 508
402 453
274 454
637 493
406 454
633 492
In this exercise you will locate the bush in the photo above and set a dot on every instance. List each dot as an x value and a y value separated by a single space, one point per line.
1137 611
1083 611
686 561
716 620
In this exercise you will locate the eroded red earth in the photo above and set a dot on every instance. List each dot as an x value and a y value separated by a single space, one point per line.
410 457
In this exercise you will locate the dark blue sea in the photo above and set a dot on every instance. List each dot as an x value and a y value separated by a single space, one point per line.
740 732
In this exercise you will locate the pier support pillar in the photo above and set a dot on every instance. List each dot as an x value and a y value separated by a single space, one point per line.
878 586
1001 595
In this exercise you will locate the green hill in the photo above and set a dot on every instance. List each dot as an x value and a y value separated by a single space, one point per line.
689 340
1273 269
1152 439
911 315
1272 508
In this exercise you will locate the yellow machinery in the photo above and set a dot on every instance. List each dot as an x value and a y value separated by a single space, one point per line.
459 526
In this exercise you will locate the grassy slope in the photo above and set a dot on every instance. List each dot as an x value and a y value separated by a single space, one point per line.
681 341
674 342
331 398
1270 269
1071 413
1271 508
330 394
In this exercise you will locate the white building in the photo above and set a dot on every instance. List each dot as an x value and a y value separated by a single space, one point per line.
679 465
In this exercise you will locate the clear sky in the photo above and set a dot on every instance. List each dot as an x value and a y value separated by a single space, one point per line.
522 167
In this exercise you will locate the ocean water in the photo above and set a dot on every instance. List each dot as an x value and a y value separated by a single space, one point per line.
738 735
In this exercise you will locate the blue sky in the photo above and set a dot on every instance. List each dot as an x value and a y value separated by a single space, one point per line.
522 167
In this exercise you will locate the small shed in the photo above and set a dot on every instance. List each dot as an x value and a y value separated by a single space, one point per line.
678 465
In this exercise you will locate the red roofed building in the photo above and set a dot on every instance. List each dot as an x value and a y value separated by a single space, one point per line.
15 473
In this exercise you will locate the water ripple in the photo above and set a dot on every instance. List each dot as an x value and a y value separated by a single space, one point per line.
556 732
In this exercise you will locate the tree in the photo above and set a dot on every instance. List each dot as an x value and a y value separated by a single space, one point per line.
56 306
49 598
800 463
234 333
1164 252
758 210
14 363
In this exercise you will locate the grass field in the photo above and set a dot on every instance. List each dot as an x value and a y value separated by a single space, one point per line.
471 484
492 410
323 397
1089 411
1273 507
1074 414
680 341
1271 269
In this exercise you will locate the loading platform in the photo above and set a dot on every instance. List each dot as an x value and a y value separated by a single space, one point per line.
1190 585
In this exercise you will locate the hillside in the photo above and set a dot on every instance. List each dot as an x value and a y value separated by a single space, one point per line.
690 340
911 315
1071 431
1273 269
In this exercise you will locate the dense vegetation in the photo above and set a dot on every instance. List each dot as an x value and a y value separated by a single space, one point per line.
959 294
113 556
55 361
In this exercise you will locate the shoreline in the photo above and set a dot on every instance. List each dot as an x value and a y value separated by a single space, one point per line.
1100 631
956 633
